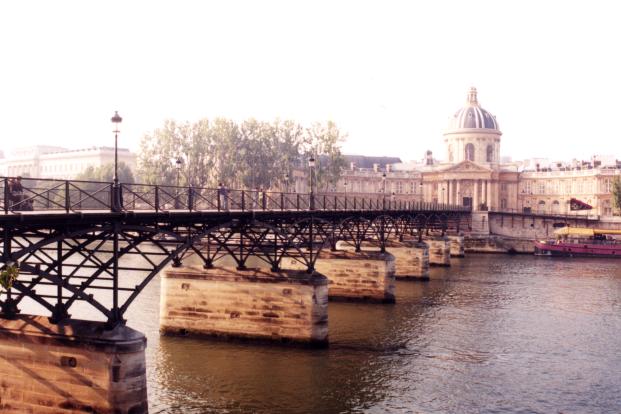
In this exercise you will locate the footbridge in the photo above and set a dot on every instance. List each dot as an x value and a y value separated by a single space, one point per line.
73 246
70 241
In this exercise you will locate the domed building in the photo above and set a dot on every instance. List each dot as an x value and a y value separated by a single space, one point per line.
471 174
472 134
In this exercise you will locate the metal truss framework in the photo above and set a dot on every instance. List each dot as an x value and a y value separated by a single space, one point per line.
106 259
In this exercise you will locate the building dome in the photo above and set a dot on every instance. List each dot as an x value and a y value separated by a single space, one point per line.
472 115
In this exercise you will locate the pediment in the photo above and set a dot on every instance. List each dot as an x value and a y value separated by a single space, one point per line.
467 166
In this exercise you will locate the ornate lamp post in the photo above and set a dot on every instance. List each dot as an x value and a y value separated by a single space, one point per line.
178 165
384 190
311 165
116 191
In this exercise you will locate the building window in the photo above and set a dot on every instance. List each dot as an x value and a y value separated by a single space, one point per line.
490 153
556 206
469 152
568 187
503 203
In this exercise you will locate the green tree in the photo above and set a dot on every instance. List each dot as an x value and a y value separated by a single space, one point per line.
323 142
106 173
246 155
616 193
157 154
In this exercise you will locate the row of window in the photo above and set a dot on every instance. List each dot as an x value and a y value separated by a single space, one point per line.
583 186
469 153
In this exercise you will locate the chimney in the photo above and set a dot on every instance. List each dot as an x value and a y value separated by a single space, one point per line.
375 167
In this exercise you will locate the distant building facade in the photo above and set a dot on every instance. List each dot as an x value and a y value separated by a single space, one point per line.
43 161
473 174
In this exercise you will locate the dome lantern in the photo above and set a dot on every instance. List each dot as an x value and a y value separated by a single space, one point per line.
472 116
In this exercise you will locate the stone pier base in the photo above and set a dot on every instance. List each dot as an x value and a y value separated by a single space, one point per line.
365 276
457 246
411 260
411 257
286 306
73 367
439 251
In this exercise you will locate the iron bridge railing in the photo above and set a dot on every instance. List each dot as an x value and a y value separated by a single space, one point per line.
40 194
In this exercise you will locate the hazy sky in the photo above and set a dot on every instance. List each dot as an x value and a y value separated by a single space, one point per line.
389 73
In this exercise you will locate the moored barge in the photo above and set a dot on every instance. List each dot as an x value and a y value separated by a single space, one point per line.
581 242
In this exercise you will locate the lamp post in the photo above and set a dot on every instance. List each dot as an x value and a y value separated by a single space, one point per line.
384 190
287 183
311 165
116 193
178 165
345 185
442 196
420 190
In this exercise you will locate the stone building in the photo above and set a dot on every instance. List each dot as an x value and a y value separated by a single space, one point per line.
472 174
45 161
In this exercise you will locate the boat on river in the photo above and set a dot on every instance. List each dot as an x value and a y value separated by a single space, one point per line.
581 241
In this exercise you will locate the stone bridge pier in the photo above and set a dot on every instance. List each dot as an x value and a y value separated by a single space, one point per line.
439 250
289 306
70 367
411 257
457 245
364 276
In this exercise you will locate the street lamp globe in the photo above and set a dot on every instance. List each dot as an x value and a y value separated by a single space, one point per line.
116 120
116 190
311 164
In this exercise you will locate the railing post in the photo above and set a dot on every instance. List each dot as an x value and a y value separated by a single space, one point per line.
243 200
190 198
218 195
67 201
324 202
6 195
282 201
345 203
297 202
354 202
157 198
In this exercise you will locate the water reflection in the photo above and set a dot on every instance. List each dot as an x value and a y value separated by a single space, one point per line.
490 334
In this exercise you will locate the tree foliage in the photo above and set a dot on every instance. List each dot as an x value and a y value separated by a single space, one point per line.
249 154
616 192
106 173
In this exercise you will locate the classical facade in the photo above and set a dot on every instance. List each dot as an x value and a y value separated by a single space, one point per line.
472 174
44 161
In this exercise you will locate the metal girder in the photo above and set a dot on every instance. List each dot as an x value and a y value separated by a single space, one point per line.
106 259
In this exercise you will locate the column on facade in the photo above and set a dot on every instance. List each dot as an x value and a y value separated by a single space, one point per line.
457 197
449 193
475 194
489 194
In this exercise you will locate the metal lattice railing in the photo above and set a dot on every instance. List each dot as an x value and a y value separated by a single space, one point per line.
35 194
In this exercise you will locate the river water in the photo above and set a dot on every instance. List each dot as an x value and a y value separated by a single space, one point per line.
491 334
